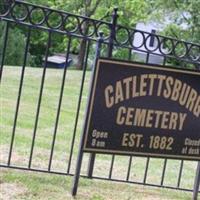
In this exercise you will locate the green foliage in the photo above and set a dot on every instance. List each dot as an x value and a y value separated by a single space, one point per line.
183 22
38 45
180 19
15 46
121 53
130 12
184 15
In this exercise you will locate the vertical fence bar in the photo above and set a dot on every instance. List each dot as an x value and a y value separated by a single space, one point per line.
93 155
131 157
60 103
110 50
4 49
19 96
80 155
111 166
146 170
91 165
78 107
180 174
163 172
165 160
196 183
129 168
148 159
112 32
130 54
39 100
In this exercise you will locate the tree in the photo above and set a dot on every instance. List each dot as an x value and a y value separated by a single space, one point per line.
130 12
15 46
183 15
181 20
87 8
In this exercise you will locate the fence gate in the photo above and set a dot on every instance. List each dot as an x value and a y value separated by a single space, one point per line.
42 109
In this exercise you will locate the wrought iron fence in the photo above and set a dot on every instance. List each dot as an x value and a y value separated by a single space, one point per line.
110 40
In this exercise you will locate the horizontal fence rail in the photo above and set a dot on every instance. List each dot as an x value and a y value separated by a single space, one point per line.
54 149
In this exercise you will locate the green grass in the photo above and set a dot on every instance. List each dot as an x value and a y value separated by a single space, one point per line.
29 185
49 104
34 186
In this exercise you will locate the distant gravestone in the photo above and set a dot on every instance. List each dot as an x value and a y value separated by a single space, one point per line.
151 43
57 61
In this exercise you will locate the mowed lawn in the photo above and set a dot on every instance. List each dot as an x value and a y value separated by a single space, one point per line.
17 184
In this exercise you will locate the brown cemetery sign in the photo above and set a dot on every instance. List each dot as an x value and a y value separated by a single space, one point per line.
146 110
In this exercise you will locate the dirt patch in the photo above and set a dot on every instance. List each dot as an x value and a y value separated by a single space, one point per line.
16 158
9 191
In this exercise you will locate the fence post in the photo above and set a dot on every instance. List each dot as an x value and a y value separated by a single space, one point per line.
80 154
112 32
196 183
110 49
97 55
91 165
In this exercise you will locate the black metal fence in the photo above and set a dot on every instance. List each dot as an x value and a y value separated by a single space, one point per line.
106 39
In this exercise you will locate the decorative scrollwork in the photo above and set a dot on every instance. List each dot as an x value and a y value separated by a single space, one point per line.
83 27
140 39
37 16
19 12
71 24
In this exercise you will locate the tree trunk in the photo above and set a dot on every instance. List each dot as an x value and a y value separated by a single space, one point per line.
82 49
88 11
81 55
